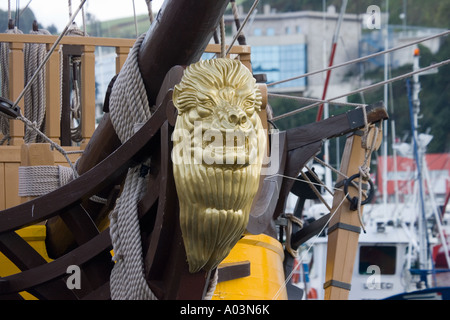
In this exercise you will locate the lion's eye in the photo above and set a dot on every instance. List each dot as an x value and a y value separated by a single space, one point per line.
204 112
249 107
207 104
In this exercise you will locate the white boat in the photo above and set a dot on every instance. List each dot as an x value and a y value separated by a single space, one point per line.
388 261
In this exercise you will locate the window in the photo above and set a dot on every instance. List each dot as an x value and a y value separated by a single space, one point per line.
257 32
382 256
280 62
270 31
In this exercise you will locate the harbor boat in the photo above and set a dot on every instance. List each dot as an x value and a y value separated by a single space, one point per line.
120 219
385 265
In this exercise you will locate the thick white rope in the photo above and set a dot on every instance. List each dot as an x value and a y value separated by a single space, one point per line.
128 100
129 106
127 279
36 181
150 10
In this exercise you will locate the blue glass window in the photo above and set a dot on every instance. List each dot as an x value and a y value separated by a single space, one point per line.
257 32
270 31
281 62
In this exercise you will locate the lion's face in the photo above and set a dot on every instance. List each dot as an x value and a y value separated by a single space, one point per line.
218 147
219 113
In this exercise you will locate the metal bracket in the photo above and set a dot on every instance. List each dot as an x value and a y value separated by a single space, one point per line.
6 109
344 226
338 284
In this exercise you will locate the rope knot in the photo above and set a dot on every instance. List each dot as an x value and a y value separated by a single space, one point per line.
290 220
117 258
364 172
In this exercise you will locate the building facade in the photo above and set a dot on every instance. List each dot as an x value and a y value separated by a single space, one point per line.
289 44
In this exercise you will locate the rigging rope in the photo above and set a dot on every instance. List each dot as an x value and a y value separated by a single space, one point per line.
240 36
222 38
372 86
135 20
288 278
150 11
242 26
373 55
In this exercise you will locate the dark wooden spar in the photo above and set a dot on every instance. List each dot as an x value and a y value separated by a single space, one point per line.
178 37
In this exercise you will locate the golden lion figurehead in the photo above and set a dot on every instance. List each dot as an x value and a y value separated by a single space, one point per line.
218 147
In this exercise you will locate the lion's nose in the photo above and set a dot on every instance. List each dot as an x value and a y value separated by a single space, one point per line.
237 117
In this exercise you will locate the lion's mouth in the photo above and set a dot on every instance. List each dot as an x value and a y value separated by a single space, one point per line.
240 150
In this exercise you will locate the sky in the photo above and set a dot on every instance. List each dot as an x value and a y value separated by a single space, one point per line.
56 12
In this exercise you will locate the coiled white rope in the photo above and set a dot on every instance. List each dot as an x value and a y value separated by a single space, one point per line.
34 54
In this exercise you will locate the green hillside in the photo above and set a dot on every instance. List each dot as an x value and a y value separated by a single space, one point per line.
430 13
118 28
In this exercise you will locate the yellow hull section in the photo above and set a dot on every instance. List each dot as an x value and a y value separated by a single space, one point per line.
265 282
266 279
35 236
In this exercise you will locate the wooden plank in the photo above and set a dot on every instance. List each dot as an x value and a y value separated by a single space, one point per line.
2 187
102 42
16 84
36 154
122 54
53 97
342 242
10 153
240 50
69 40
87 93
12 181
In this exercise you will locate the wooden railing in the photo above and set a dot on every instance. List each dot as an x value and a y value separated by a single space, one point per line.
15 154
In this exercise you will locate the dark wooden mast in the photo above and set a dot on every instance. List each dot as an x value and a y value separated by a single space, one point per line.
178 36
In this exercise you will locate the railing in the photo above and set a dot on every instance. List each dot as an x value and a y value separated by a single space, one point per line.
16 154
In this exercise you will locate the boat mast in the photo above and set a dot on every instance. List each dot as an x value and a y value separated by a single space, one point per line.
414 109
419 154
385 124
324 107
